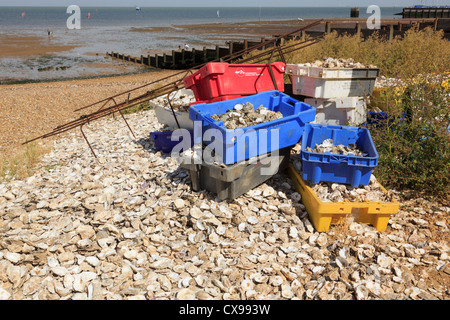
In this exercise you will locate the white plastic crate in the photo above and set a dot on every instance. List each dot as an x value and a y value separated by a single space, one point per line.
339 111
164 113
329 83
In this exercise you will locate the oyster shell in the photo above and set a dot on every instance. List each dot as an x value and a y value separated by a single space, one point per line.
328 62
246 115
328 146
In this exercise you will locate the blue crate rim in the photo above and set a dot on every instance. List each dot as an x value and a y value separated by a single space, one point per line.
349 156
219 123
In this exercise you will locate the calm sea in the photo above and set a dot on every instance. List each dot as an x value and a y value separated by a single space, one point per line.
110 29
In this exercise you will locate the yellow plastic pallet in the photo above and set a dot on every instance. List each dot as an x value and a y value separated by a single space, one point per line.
324 214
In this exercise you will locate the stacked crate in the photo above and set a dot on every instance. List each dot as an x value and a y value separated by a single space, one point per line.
243 159
338 94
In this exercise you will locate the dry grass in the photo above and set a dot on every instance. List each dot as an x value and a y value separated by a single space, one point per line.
22 162
419 51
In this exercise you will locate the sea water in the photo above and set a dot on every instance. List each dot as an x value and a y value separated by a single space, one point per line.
117 29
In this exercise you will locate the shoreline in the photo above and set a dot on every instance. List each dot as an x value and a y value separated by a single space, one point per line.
38 58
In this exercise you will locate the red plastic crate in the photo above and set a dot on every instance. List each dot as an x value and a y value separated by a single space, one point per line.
218 79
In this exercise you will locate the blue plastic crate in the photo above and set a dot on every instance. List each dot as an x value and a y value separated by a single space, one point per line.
244 143
346 169
163 142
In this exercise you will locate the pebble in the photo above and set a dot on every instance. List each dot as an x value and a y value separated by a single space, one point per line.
129 227
4 294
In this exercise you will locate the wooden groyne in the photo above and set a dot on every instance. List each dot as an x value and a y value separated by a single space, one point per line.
426 12
186 59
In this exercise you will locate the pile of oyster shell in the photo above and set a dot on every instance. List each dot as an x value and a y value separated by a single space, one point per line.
336 192
328 146
180 101
128 226
327 62
245 115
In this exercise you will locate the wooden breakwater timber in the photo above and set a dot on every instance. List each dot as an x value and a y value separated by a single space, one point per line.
186 59
438 12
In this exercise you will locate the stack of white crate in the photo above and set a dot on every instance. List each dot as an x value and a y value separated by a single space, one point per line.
338 94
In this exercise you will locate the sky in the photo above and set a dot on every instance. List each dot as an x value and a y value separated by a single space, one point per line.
220 3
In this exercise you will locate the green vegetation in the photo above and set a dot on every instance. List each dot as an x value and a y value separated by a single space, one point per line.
419 51
137 108
414 144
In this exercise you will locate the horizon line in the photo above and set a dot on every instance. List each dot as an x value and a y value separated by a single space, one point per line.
196 6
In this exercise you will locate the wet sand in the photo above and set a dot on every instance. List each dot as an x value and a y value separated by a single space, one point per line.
23 46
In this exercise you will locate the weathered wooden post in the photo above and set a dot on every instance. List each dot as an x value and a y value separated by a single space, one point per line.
358 29
205 55
193 56
245 44
230 47
174 58
327 27
217 52
262 41
391 32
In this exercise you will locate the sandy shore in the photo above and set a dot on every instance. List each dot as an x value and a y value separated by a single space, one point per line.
23 46
30 110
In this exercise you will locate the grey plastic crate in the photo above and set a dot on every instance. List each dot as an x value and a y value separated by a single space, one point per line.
237 179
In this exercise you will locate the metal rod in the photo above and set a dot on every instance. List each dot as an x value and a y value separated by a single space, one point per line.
90 147
173 111
271 71
121 113
177 84
225 58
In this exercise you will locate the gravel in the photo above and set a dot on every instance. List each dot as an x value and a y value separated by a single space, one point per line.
128 226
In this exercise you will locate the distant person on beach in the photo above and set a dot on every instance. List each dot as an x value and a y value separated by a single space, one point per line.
186 46
50 34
